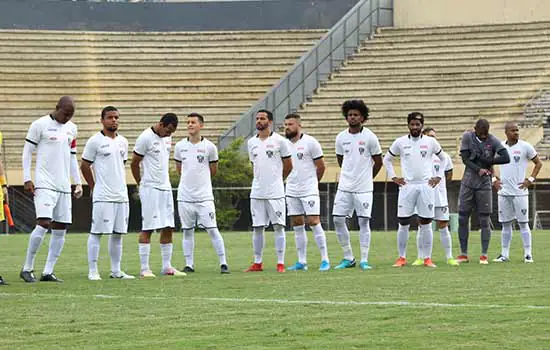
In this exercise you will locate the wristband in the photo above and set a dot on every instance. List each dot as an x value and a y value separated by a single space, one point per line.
531 179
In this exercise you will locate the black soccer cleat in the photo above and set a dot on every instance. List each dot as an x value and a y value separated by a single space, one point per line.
224 269
2 282
27 276
50 278
188 269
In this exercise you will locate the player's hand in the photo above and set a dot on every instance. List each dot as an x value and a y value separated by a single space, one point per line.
77 191
29 187
399 180
484 172
525 184
434 181
497 184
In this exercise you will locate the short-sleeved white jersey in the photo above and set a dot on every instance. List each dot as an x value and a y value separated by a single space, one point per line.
357 150
302 181
107 156
439 169
416 157
195 180
55 142
155 151
514 173
267 159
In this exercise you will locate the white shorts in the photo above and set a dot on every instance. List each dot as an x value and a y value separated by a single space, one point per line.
347 202
441 213
513 207
157 209
110 217
201 214
265 211
416 199
309 206
53 205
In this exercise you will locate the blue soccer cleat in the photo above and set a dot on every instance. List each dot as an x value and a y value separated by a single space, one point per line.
325 266
365 266
297 267
345 264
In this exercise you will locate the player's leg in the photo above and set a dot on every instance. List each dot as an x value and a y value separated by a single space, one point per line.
484 200
506 217
312 208
406 201
122 213
425 209
168 225
259 222
342 209
363 208
296 211
419 261
521 205
102 223
466 203
188 219
149 213
207 219
441 216
276 209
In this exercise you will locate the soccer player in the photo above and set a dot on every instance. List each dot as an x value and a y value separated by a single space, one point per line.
3 198
416 186
479 151
196 161
103 168
54 138
302 191
513 193
360 157
271 160
152 149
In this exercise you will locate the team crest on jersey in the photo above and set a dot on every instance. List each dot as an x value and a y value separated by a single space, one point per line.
423 153
436 167
361 150
516 159
200 158
212 215
278 213
430 206
311 203
269 153
365 205
300 155
524 211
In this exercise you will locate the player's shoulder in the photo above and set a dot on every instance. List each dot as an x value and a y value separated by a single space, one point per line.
181 143
525 144
368 132
122 138
147 133
342 134
401 139
42 121
208 142
278 137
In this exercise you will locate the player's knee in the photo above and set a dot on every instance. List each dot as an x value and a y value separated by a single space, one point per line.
297 220
424 221
405 221
442 224
339 221
364 223
44 223
523 226
484 221
58 225
313 220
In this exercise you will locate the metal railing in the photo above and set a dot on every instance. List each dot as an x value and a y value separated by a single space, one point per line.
537 109
315 67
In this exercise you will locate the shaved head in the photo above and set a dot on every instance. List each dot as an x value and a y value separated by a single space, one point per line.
64 109
511 131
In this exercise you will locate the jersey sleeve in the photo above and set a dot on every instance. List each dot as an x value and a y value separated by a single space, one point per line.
530 151
34 134
125 155
436 147
90 151
338 146
316 150
395 148
141 146
177 155
284 149
465 142
249 146
374 146
73 143
448 163
212 153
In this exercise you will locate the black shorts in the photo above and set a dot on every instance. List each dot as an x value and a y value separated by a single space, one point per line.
478 199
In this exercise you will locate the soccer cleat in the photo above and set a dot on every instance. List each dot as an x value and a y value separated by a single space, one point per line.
51 277
146 274
298 267
429 263
172 272
224 269
452 262
462 259
528 259
325 266
483 260
345 264
400 262
27 276
2 282
501 258
188 269
364 265
256 267
94 276
280 268
121 275
418 262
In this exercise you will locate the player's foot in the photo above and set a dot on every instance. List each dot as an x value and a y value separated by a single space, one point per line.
364 265
345 264
325 266
188 269
462 259
418 262
224 269
94 276
452 262
51 277
429 263
483 260
146 274
121 275
172 272
528 259
501 258
280 268
298 267
27 276
256 267
400 262
2 282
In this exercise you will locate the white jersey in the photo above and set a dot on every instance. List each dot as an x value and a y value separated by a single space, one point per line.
155 151
195 181
55 142
439 169
416 157
302 181
107 156
513 173
357 150
267 159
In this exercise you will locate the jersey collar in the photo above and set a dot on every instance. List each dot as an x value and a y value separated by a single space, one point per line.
270 134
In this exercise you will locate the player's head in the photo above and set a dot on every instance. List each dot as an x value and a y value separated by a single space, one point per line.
109 118
195 122
415 122
293 125
429 131
167 124
264 119
64 110
482 129
356 112
511 130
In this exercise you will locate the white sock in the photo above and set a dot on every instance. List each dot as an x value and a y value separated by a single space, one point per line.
506 239
218 244
427 239
166 253
115 252
57 241
280 243
94 244
300 236
144 252
525 237
188 244
364 238
258 244
402 238
321 240
446 242
419 246
35 241
342 234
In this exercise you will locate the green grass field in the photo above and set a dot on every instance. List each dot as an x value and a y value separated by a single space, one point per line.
486 307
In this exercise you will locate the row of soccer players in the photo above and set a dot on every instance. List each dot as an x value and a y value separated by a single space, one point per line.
273 158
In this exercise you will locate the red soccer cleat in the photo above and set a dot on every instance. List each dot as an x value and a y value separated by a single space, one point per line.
429 263
462 259
256 267
280 267
400 262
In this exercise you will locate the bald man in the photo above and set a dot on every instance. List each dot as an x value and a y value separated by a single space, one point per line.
53 137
